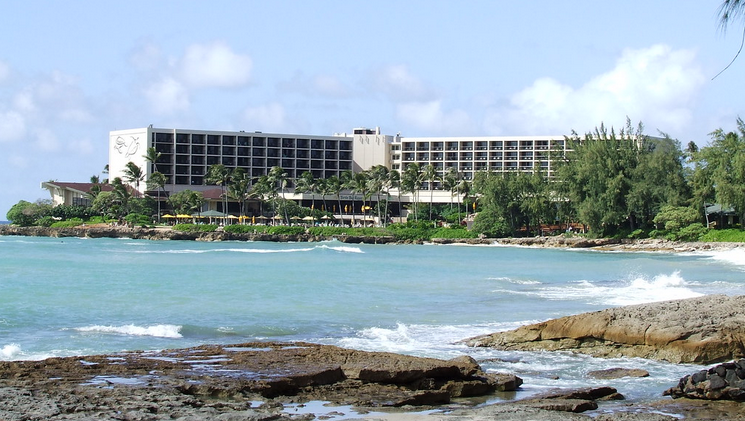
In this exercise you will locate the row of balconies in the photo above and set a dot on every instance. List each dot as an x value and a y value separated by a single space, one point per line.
479 146
243 160
198 180
232 140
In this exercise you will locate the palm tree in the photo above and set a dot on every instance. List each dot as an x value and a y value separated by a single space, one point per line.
464 188
152 156
394 182
133 174
730 10
307 183
278 177
411 181
121 196
156 182
378 183
218 174
430 174
334 186
238 188
262 190
450 183
358 184
322 188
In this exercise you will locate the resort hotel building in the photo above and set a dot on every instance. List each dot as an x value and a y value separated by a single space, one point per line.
186 155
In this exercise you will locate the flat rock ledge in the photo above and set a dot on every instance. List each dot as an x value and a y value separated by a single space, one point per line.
703 330
236 375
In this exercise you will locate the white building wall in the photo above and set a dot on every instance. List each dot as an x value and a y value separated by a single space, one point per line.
128 146
370 150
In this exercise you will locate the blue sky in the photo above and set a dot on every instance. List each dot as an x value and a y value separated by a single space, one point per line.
72 71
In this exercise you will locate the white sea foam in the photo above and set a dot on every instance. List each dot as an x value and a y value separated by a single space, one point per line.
735 257
159 331
415 338
10 352
516 281
342 249
636 290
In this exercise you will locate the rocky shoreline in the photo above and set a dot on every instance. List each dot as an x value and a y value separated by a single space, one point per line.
165 233
276 381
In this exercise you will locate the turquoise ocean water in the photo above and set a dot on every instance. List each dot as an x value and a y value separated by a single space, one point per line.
62 297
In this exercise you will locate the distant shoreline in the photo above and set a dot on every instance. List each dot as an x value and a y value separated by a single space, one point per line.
164 233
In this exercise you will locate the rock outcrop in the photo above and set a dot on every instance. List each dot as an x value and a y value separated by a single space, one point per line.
302 371
700 330
723 382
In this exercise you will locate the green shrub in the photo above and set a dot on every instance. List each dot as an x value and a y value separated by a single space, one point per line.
636 234
207 228
186 227
403 233
286 230
45 221
490 223
245 229
692 232
137 219
74 222
726 235
453 233
329 231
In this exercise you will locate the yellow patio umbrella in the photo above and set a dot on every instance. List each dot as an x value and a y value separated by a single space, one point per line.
183 215
168 216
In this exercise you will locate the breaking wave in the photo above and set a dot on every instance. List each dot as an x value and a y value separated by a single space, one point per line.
158 331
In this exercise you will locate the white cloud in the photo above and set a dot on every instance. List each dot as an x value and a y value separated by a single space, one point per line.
397 83
214 65
655 85
327 86
146 56
430 116
24 101
46 141
18 161
330 86
4 71
82 146
12 126
167 96
269 117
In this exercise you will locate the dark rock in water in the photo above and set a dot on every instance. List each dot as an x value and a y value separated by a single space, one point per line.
572 400
723 382
701 330
617 373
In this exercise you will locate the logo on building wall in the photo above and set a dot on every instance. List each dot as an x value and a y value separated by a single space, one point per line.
127 147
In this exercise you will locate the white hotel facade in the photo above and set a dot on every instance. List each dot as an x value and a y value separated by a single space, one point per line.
186 155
